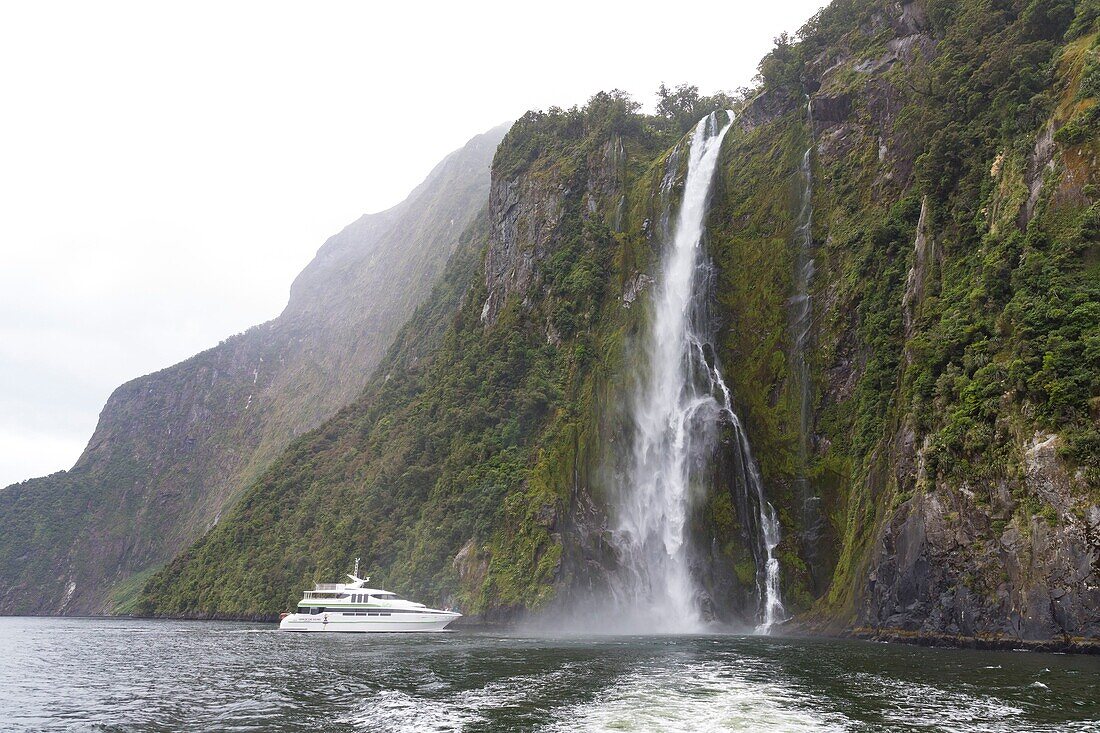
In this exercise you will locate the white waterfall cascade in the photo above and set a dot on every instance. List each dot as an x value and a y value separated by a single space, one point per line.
679 406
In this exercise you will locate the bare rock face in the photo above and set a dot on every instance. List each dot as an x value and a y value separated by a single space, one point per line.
844 120
914 280
911 20
1040 161
764 108
971 561
525 212
832 109
634 288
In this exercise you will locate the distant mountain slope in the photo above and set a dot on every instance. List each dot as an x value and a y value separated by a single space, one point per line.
173 449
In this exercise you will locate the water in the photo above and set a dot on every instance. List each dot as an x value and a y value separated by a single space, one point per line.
144 676
801 305
680 405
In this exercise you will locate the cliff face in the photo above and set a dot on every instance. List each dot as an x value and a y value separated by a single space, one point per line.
971 511
929 440
173 449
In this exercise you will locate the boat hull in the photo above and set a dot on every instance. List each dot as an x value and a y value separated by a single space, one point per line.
338 622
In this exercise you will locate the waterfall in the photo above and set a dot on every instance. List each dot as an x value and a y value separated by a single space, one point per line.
800 316
767 535
679 409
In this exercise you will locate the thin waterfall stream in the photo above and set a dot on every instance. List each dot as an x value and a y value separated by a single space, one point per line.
679 411
800 317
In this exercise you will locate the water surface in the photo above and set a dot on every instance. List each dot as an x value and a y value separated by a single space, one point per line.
137 675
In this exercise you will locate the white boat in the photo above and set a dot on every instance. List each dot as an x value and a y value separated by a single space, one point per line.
355 607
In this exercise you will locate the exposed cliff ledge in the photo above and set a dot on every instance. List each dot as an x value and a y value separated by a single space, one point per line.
963 561
526 208
520 235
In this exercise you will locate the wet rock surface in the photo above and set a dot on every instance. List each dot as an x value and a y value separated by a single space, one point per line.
948 565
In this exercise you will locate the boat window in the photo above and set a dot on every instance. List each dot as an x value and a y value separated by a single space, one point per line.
387 596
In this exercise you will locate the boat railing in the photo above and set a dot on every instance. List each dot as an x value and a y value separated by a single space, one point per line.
328 586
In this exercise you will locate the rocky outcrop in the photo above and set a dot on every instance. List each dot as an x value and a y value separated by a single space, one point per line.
764 108
525 212
1039 163
635 286
831 109
967 562
923 253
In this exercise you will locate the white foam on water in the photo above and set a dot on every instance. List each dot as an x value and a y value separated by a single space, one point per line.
916 705
699 698
398 711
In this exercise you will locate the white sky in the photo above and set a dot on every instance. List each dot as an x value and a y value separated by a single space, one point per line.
166 170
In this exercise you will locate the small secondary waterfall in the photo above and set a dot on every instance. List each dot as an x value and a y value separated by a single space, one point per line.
801 310
679 408
800 316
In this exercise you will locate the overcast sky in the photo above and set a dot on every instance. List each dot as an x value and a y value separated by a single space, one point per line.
167 169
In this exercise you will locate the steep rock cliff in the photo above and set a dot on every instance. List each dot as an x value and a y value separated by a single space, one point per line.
962 372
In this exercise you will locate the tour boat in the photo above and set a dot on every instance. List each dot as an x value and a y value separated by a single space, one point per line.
355 607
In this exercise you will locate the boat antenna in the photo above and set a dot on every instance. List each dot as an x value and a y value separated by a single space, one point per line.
356 573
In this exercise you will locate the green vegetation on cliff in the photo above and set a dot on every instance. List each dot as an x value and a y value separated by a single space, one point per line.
956 317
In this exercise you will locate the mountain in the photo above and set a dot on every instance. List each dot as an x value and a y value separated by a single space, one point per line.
174 449
900 286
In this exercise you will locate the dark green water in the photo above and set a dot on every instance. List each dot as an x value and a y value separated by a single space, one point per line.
126 675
